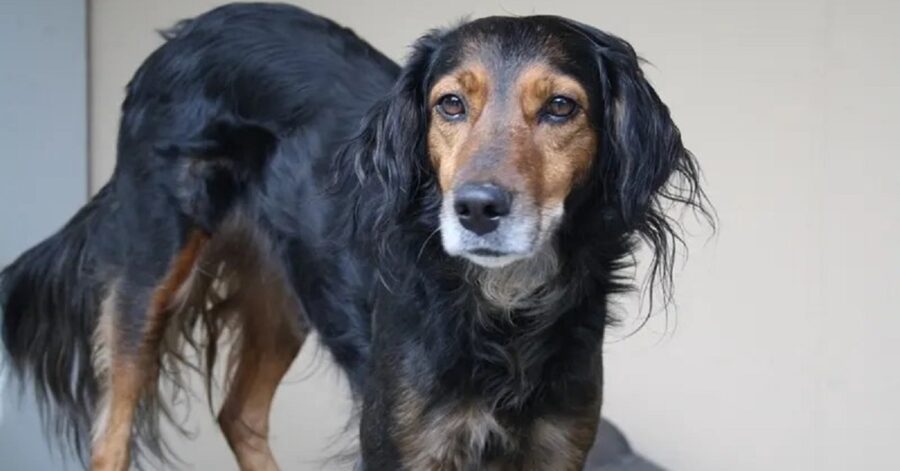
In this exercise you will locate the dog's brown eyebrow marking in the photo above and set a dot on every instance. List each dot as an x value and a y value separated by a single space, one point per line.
539 82
470 79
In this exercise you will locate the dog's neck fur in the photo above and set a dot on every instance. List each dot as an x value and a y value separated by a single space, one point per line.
526 286
517 313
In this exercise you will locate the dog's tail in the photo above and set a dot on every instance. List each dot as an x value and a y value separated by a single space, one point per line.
49 301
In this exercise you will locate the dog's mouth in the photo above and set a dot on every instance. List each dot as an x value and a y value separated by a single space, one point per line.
488 253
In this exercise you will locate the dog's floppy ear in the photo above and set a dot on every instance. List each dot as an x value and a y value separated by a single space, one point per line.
392 146
642 155
643 164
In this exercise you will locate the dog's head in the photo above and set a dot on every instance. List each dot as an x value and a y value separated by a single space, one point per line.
510 128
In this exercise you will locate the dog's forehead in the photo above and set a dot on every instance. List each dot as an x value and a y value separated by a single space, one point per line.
505 46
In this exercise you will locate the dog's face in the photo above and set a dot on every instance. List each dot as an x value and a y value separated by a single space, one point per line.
510 135
523 125
508 139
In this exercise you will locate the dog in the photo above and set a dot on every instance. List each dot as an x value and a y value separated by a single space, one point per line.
452 229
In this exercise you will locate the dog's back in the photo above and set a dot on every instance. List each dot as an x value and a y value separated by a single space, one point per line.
228 93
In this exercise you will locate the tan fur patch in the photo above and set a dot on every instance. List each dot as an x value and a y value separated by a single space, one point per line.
558 444
111 446
447 438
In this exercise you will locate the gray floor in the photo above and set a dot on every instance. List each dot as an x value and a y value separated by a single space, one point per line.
612 452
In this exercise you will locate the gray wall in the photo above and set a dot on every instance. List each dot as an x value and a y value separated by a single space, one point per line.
43 163
787 338
788 333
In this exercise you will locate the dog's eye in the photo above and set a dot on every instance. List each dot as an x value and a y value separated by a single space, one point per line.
560 108
451 106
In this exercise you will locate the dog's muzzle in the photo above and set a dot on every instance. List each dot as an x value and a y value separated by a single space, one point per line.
492 227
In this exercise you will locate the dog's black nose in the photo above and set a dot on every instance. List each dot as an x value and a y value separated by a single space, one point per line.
480 206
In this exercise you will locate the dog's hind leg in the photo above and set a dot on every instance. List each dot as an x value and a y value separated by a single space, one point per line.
272 331
127 353
265 357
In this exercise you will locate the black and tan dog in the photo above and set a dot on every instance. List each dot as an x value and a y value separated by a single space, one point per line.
453 231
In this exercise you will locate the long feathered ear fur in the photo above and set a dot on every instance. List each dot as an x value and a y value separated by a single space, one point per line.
391 149
644 166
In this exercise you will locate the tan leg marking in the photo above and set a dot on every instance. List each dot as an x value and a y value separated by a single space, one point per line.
111 446
126 373
244 417
270 339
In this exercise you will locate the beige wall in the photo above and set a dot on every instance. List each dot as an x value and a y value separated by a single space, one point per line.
783 353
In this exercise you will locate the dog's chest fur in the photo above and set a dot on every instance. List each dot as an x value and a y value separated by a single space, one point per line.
465 436
470 432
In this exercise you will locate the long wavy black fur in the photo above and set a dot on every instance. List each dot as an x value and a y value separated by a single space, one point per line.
49 298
